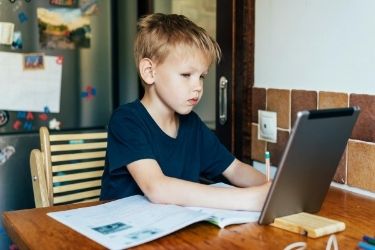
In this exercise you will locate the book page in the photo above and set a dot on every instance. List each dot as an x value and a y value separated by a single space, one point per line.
224 217
127 222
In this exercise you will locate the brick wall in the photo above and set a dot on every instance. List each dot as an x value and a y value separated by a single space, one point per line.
357 166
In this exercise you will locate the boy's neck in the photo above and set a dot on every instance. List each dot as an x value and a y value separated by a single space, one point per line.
168 122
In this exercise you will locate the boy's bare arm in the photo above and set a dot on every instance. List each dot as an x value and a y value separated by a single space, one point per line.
163 189
243 175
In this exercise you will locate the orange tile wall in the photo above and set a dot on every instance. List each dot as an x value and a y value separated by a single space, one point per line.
357 166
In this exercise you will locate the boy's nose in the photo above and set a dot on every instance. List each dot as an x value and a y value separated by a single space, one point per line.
198 85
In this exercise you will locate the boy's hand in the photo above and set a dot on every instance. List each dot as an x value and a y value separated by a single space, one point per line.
257 196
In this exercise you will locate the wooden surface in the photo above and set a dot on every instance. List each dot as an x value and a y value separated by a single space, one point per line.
312 225
33 229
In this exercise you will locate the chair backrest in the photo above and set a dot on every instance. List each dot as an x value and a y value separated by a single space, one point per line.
68 167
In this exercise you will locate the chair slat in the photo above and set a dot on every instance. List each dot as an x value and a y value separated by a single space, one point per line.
76 196
72 165
78 146
76 186
76 166
77 156
78 176
83 136
88 200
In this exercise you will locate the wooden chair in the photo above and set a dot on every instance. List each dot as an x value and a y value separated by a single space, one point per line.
68 167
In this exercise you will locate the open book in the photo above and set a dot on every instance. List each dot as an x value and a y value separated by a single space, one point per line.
135 220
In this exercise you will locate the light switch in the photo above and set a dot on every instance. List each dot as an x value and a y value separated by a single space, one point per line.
267 129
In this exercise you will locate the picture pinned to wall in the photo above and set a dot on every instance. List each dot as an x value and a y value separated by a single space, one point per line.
64 3
33 61
89 7
17 40
6 33
6 153
30 89
63 28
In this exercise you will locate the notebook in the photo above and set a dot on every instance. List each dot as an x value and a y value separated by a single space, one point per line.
309 162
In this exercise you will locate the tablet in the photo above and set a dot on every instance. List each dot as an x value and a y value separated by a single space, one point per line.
309 162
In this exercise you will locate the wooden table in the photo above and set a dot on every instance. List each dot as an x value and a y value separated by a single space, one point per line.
33 229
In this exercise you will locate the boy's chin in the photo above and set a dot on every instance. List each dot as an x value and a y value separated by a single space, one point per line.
184 112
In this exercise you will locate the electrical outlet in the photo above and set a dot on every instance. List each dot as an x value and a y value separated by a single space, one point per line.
267 129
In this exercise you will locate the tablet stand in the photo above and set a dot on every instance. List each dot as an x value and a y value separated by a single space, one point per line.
313 226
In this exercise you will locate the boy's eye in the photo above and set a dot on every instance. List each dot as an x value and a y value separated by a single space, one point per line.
186 75
203 77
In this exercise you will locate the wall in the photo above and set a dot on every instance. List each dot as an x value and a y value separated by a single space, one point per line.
357 166
317 54
315 45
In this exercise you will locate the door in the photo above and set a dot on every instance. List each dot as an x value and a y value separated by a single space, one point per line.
235 74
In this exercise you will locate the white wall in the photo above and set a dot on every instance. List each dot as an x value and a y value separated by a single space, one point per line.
324 45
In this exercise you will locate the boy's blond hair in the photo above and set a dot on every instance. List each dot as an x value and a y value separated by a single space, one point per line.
158 33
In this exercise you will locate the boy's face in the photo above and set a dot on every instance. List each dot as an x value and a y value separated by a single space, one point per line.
179 79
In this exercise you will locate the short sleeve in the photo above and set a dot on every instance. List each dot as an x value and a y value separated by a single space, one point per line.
215 158
127 141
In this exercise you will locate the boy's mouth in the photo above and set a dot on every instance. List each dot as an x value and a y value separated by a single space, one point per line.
193 101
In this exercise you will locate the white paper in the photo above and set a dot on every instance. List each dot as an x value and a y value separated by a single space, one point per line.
6 33
127 222
29 90
135 220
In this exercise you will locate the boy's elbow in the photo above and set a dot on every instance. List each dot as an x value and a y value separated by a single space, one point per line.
156 194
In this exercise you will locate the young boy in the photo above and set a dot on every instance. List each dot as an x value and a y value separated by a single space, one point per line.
158 146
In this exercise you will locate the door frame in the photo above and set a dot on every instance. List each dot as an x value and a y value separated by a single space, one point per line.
238 66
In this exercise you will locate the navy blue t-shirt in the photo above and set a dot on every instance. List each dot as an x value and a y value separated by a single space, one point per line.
133 135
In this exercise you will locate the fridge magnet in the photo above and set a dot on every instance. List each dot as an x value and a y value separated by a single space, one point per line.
28 126
89 93
16 125
59 60
54 124
63 28
43 117
6 33
17 40
4 117
29 116
22 17
6 153
21 115
33 61
64 3
46 109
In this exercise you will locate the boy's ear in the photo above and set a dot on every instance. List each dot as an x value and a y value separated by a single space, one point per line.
146 70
